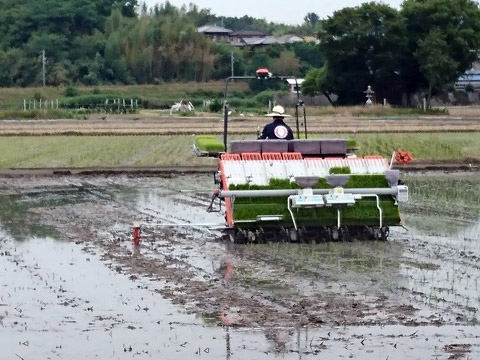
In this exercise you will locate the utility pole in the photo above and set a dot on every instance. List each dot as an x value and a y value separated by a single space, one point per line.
43 66
232 59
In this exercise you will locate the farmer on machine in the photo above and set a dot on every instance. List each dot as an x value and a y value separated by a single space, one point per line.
277 129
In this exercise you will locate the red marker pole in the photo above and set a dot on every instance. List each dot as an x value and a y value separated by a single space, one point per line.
136 235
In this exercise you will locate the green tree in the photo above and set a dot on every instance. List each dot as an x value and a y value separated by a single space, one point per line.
457 22
309 55
316 83
435 63
311 19
286 64
364 46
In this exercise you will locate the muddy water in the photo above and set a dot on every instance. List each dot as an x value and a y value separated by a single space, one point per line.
74 286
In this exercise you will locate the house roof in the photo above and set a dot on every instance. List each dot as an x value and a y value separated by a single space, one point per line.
213 29
469 77
288 39
266 40
310 38
248 33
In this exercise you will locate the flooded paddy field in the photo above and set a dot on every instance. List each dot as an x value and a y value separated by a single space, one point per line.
74 286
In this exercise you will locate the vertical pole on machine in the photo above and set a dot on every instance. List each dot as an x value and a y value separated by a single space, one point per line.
225 124
136 235
296 107
225 115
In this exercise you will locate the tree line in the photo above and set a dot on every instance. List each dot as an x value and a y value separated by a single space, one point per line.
423 47
96 42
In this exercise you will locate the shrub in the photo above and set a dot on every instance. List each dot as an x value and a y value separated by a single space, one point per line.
196 102
469 88
215 106
240 94
202 93
70 91
94 101
263 97
351 143
36 114
38 96
243 103
96 90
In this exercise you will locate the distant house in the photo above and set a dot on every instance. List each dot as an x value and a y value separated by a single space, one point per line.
471 77
216 33
256 41
310 38
289 39
244 37
242 34
249 38
293 83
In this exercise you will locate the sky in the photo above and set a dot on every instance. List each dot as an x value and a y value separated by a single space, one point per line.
280 11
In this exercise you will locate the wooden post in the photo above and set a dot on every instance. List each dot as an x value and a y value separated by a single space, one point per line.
57 103
24 104
40 106
51 101
34 104
131 104
44 60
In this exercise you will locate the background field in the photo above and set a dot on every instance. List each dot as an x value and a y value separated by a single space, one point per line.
171 150
12 98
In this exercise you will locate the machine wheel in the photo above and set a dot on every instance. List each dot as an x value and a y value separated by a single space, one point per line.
344 234
283 235
302 235
335 231
326 234
260 236
384 233
240 236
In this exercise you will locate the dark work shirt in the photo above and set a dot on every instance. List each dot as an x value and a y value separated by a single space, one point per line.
277 130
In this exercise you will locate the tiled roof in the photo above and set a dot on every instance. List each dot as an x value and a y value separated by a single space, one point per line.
213 29
249 33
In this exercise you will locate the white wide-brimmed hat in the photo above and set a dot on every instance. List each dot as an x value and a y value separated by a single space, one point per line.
278 111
